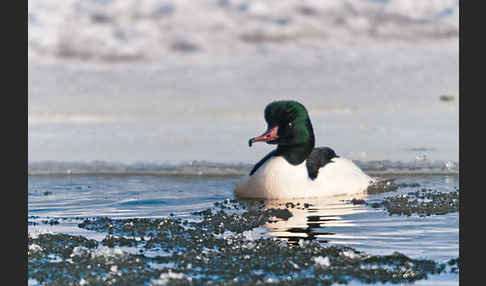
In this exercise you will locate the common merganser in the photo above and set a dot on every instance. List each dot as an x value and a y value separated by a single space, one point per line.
295 169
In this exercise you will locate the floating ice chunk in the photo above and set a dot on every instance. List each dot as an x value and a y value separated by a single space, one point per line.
165 277
322 261
35 248
226 234
107 252
450 165
54 258
350 254
254 234
79 251
271 280
32 282
294 264
303 242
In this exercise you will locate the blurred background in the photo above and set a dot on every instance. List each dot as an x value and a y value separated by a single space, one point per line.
167 82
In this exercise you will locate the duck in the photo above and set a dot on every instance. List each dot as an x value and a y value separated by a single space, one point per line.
296 168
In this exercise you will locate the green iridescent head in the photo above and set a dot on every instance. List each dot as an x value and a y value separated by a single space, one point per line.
289 127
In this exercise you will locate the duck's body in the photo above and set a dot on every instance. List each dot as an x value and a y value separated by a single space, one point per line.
296 169
277 179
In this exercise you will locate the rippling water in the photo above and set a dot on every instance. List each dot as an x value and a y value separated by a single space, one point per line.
330 221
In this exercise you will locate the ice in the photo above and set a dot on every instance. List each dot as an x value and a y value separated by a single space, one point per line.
165 277
322 261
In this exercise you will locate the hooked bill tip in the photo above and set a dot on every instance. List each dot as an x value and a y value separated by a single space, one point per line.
250 142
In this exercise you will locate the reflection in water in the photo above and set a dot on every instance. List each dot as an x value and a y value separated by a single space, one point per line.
310 217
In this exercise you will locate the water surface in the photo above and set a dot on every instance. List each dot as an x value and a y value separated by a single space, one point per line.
331 221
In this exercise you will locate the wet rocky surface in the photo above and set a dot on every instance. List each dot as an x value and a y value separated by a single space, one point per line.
422 202
217 246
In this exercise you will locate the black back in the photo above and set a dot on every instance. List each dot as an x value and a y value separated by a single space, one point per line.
317 159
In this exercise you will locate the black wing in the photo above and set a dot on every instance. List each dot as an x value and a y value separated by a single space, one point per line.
257 165
317 159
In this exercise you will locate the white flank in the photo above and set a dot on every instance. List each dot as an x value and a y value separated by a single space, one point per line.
277 179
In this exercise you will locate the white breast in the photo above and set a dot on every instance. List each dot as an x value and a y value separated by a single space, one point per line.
277 179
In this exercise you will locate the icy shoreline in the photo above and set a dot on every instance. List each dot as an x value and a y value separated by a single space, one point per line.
203 168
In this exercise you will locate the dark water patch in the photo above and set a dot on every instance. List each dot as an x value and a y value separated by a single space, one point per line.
42 210
36 217
169 201
144 202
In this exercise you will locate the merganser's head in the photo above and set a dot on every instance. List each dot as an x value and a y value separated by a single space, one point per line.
288 125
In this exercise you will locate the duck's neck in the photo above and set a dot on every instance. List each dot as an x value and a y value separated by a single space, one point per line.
296 154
